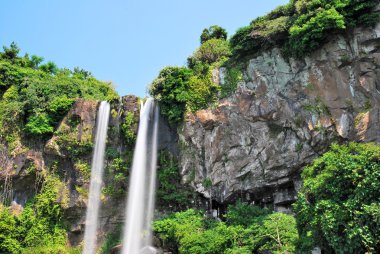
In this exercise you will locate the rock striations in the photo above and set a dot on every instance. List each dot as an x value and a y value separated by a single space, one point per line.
286 112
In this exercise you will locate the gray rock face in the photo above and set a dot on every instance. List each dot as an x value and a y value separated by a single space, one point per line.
287 112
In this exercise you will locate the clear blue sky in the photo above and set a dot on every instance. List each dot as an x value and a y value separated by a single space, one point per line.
123 41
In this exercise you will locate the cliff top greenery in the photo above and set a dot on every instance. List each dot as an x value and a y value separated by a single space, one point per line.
35 95
297 28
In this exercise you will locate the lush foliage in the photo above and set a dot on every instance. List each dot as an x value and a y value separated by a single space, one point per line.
190 232
178 89
171 193
128 128
301 26
338 208
35 97
210 52
39 228
213 32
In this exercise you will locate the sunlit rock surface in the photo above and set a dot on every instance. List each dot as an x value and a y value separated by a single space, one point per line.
253 145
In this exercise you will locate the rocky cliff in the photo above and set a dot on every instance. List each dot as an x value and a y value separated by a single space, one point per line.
251 146
254 144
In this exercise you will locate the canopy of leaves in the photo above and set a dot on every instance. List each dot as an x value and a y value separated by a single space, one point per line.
35 97
302 26
190 232
178 89
212 51
213 32
338 208
39 228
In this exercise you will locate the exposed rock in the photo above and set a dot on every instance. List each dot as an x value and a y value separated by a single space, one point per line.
286 113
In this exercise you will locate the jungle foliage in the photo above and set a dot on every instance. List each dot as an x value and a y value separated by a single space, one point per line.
338 208
190 232
35 96
39 227
302 26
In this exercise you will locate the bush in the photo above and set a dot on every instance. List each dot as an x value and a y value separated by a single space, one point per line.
190 232
244 215
212 51
171 192
231 80
39 124
338 208
39 228
306 36
178 89
301 26
40 99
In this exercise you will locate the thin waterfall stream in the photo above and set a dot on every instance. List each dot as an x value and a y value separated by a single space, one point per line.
141 193
90 234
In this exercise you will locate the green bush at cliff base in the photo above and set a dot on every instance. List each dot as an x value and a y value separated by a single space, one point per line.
190 232
39 227
338 208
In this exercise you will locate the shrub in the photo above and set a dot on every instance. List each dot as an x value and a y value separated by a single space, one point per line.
171 192
128 128
244 214
301 26
306 36
189 232
231 80
178 89
39 228
338 207
31 96
212 51
39 124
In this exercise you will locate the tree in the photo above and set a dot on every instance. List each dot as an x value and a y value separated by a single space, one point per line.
213 32
35 61
178 89
338 208
212 51
11 53
49 67
81 73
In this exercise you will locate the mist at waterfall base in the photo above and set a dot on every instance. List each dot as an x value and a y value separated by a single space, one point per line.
96 179
141 193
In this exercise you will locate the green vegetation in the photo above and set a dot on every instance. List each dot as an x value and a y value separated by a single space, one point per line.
128 128
247 229
34 97
298 28
338 208
178 89
171 192
112 239
39 227
213 32
301 26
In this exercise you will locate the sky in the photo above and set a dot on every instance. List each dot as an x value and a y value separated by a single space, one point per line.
124 41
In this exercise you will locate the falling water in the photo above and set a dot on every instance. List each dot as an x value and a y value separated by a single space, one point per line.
96 179
140 205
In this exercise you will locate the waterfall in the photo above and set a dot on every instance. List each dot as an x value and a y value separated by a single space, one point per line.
140 204
96 179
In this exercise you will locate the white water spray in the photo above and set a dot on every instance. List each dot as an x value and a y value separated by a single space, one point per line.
140 205
96 179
